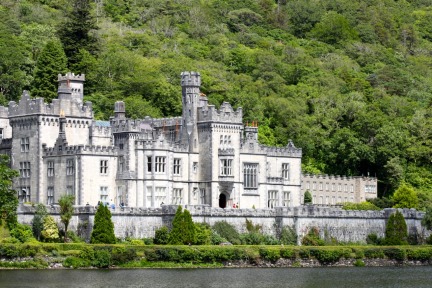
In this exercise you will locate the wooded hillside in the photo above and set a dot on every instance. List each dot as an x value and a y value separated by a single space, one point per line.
349 81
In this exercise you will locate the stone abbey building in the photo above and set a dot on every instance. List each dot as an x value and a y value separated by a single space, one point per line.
206 156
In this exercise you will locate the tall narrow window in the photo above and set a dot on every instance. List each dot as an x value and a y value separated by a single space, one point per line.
24 194
176 167
121 164
24 169
104 194
70 167
50 195
272 199
250 172
226 167
159 164
103 167
177 196
25 144
159 197
70 190
1 133
50 169
202 196
149 164
285 171
286 199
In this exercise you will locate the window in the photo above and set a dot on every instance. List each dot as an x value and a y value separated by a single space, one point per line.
149 164
177 196
121 146
24 169
320 186
333 187
352 188
104 167
195 167
25 144
272 199
104 194
1 133
285 171
370 188
202 196
327 200
286 199
70 167
24 194
250 172
70 191
50 197
313 186
307 185
339 187
121 164
346 188
149 196
159 164
176 167
50 168
159 196
327 186
226 167
333 200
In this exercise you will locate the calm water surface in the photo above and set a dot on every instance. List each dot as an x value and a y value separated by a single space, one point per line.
238 278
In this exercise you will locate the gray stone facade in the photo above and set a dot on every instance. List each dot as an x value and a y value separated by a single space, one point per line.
207 156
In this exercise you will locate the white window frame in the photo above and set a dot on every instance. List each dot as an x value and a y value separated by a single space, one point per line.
70 167
50 195
103 167
177 196
25 144
286 202
24 197
103 194
24 169
225 167
286 171
250 175
50 169
177 166
272 198
160 164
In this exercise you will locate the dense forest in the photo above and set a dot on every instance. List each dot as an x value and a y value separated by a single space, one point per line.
349 81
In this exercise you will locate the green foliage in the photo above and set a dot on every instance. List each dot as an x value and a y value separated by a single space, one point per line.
8 199
203 234
396 232
161 235
270 253
333 29
312 238
373 239
50 231
227 231
427 219
103 228
329 255
288 236
359 206
22 232
66 211
307 197
405 197
38 220
51 62
183 229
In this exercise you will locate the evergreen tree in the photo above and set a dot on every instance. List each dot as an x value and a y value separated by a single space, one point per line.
396 230
38 221
8 199
189 234
66 211
50 232
76 32
307 197
405 197
103 228
50 63
176 233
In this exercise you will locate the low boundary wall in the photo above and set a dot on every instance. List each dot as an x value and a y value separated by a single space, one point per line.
342 225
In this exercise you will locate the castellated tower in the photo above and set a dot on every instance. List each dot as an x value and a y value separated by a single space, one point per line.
71 85
190 82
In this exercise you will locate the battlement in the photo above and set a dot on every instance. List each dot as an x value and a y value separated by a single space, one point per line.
27 106
81 149
224 114
160 144
252 146
72 77
190 79
336 177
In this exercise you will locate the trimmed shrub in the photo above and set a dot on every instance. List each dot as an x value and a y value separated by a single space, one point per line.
374 253
328 255
227 231
270 253
50 231
102 258
103 228
287 253
75 262
419 254
395 253
373 239
161 235
22 232
87 253
123 255
396 230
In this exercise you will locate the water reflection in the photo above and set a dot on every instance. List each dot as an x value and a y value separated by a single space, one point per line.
235 278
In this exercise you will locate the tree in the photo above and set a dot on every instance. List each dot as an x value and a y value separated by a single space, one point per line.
66 211
103 228
76 33
307 197
183 229
333 29
38 220
405 197
50 63
161 236
427 219
396 232
8 196
50 232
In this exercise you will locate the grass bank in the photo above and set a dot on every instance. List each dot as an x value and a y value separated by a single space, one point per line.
73 255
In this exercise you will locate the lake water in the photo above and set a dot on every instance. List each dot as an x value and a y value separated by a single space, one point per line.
356 277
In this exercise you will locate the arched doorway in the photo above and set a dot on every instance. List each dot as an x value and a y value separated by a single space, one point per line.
222 200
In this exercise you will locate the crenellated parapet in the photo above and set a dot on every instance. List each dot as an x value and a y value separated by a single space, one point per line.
81 149
29 106
307 176
251 146
225 113
160 144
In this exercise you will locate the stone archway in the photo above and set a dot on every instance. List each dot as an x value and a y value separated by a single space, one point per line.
222 200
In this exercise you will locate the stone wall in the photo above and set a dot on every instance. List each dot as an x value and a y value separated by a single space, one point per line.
343 225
